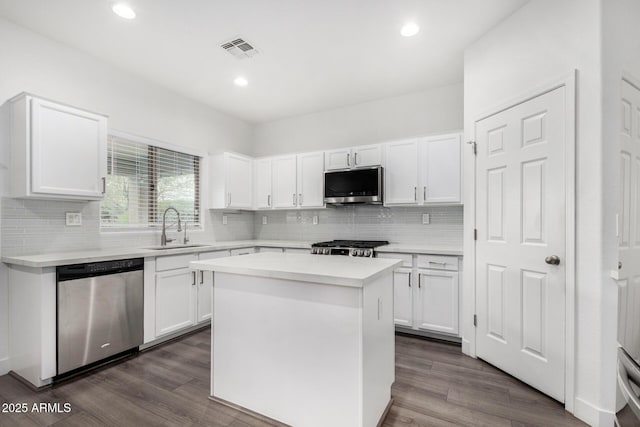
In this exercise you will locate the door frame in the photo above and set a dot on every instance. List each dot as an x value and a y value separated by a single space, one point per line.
567 81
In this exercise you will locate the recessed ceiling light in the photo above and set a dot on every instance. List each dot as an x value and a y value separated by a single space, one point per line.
409 29
240 81
123 11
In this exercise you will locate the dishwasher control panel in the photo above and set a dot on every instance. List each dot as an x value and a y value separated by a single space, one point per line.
70 272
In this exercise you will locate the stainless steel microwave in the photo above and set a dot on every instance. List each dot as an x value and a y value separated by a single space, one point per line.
361 185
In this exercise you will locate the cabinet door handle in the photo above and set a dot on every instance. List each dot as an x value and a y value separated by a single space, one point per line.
415 194
419 280
201 277
355 158
229 198
269 200
300 199
424 193
294 199
104 184
193 277
348 160
409 279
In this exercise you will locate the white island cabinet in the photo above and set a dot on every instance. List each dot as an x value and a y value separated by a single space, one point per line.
303 339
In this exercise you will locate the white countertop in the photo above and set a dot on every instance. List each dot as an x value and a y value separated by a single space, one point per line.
54 259
330 270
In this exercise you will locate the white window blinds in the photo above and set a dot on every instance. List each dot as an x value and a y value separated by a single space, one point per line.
143 180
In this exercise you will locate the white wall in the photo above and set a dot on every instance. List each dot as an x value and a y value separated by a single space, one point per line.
541 42
436 110
39 65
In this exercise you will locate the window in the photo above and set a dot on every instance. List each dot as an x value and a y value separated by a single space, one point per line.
143 180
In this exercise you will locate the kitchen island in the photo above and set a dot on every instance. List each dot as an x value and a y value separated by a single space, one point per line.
306 340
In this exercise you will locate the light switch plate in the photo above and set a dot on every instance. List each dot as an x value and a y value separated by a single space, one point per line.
426 219
264 220
74 219
224 220
315 220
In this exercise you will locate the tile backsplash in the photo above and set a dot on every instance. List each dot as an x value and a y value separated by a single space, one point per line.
38 226
397 224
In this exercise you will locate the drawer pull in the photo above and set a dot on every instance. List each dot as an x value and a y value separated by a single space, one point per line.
438 262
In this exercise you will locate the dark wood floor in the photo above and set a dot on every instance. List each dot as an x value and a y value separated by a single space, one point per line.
168 386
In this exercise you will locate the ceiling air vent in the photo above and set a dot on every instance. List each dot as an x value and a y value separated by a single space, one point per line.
239 48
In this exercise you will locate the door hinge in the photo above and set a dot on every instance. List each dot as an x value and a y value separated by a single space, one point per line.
474 145
475 320
475 234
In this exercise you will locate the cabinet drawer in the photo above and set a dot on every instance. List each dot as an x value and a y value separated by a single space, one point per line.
172 262
242 251
438 262
407 259
277 250
213 255
297 251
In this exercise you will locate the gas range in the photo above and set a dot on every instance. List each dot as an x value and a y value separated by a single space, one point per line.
357 248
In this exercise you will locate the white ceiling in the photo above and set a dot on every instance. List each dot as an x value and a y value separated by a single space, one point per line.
315 54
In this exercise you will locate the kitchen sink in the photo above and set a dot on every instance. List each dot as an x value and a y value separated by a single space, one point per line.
158 248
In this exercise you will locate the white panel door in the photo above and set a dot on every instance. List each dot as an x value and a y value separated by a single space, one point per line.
175 299
337 159
403 297
437 301
441 162
401 173
311 180
262 183
629 205
239 172
520 218
367 155
285 193
59 136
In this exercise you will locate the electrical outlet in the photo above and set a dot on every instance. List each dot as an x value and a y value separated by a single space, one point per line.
426 219
224 220
74 219
264 220
315 220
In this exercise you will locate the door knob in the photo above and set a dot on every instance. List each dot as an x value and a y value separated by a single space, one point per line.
553 260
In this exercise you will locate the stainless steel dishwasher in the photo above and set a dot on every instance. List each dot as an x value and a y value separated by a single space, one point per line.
100 311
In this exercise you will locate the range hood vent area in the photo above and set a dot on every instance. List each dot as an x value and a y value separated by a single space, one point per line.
239 48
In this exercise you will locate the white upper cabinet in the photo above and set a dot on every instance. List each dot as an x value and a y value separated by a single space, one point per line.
230 178
262 172
354 157
441 169
367 155
401 173
285 193
296 181
337 159
310 180
424 171
57 151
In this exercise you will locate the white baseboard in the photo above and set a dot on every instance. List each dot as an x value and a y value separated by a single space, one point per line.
4 366
466 347
592 415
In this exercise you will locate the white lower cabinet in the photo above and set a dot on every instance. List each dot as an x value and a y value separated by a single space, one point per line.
437 301
175 297
427 299
182 296
402 297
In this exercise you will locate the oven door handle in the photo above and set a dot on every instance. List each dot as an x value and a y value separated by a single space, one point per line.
627 369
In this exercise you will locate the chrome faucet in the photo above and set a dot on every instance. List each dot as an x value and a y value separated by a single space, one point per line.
163 239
